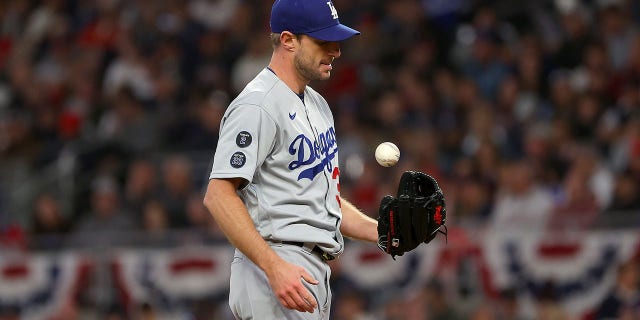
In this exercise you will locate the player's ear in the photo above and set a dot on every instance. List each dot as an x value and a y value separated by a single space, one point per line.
289 40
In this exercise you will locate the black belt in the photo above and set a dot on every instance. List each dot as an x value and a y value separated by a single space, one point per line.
323 255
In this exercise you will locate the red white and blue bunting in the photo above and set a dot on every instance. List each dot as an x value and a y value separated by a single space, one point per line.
172 277
37 286
582 268
371 269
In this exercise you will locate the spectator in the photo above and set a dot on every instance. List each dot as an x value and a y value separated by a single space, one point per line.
617 31
576 36
473 204
436 304
140 184
146 312
47 216
341 283
215 15
106 224
508 306
9 313
198 130
352 306
600 179
521 203
256 56
562 94
547 303
128 124
394 308
177 185
49 225
584 118
623 301
625 151
128 70
484 312
197 215
625 204
366 191
577 208
484 67
155 223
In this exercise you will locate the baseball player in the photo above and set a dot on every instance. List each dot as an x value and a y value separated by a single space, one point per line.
274 185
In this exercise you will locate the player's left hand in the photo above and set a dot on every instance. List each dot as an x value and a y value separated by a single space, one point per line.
416 215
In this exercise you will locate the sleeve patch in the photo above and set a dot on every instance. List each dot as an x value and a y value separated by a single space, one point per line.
243 139
238 160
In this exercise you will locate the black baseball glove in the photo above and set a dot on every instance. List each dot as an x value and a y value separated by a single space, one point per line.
415 216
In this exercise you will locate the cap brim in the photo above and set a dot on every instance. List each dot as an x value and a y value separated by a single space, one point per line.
336 32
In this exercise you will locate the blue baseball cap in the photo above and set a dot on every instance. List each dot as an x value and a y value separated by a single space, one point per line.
315 18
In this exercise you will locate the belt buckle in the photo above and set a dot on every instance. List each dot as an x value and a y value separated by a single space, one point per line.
313 248
326 257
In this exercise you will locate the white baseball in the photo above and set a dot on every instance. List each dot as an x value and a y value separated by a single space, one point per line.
387 154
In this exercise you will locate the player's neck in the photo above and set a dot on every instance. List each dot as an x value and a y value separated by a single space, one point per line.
286 71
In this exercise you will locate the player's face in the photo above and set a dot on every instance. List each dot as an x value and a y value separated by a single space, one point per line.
313 60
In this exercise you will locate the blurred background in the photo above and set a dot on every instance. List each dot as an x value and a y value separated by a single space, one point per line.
527 112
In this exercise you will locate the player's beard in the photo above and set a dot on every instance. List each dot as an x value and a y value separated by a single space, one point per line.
308 69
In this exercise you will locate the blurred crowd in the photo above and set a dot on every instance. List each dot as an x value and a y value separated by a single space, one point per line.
527 112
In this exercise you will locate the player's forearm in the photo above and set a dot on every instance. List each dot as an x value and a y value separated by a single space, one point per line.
357 225
231 215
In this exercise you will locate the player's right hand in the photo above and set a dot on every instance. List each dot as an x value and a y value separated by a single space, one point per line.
286 281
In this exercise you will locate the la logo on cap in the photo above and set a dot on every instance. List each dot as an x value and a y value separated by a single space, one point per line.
334 12
309 17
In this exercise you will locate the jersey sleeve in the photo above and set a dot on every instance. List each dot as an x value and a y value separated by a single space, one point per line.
247 136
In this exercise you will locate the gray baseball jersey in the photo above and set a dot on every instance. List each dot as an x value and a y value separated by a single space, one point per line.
287 152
